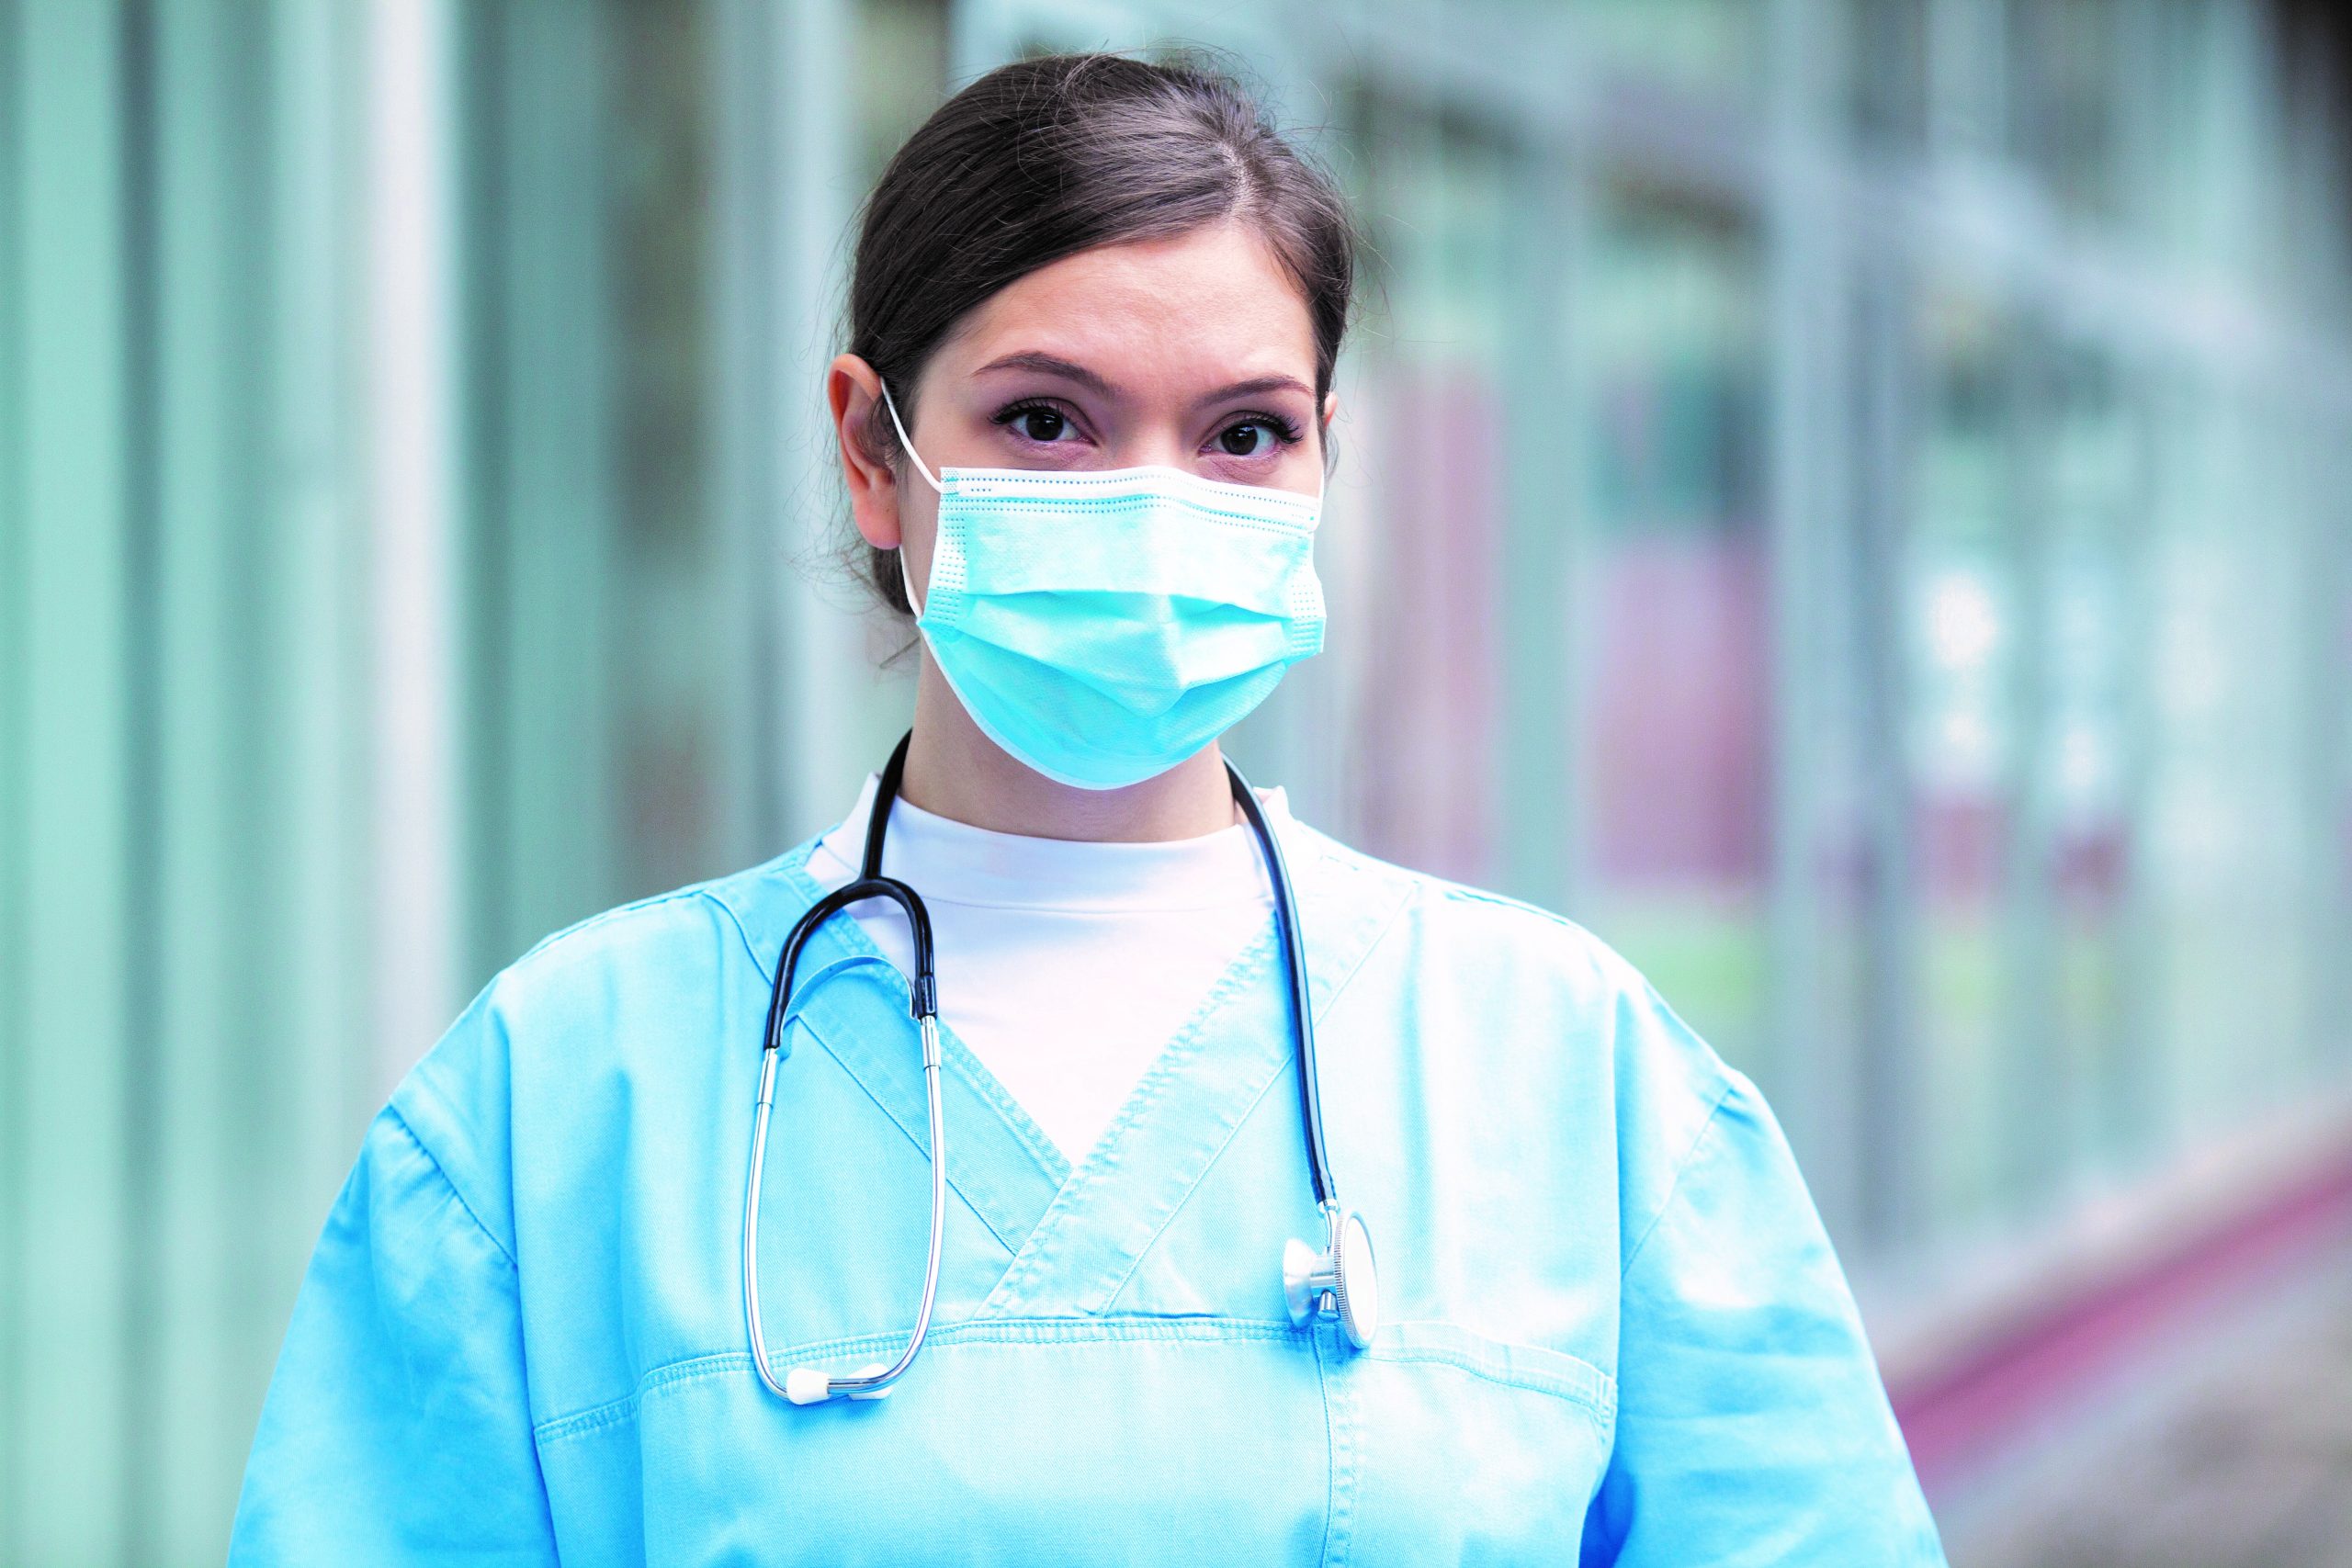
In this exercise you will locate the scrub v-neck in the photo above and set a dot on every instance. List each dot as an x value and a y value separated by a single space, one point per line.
1073 1235
1064 965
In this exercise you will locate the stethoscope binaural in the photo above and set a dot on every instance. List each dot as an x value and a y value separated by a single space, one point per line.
1335 1281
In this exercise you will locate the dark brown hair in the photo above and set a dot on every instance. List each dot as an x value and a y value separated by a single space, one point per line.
1045 158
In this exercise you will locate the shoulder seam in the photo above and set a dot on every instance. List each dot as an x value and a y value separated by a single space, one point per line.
1682 1167
791 863
1502 901
604 917
455 1192
736 920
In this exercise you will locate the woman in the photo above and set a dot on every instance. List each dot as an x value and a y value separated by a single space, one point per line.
1095 313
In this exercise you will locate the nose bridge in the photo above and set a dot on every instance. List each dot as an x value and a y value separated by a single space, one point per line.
1152 437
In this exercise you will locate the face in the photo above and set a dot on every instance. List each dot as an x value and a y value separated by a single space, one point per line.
1194 353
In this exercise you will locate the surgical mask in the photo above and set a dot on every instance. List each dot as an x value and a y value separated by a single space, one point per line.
1104 626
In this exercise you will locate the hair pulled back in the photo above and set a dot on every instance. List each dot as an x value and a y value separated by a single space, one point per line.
1044 158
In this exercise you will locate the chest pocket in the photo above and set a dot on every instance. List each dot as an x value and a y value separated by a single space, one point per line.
1448 1446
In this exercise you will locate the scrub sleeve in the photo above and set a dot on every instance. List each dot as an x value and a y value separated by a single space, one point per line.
1752 1427
398 1429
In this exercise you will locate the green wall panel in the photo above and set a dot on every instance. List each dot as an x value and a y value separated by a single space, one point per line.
70 1400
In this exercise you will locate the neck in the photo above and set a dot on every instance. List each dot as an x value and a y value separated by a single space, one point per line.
954 770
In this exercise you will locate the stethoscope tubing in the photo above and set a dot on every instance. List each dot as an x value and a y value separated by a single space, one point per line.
806 1385
1302 1008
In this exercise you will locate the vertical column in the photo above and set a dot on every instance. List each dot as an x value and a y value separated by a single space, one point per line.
2331 530
306 1083
831 729
2034 1082
1810 457
68 1396
744 343
203 1374
1884 1129
412 551
15 780
540 533
1546 455
786 193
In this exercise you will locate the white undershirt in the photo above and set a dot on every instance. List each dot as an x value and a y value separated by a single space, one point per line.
1064 964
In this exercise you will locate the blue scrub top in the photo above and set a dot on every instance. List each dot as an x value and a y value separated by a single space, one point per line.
1613 1330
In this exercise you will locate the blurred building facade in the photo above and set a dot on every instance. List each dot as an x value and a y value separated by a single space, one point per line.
1851 500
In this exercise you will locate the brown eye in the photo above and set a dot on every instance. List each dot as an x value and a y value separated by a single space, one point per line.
1244 440
1043 424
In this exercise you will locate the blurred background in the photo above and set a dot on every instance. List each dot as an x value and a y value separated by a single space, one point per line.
1851 500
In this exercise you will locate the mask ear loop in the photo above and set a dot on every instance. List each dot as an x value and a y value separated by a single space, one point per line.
905 577
1322 464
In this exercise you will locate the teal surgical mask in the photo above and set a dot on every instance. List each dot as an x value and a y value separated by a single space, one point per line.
1104 626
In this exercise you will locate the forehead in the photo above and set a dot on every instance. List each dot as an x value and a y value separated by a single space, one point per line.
1214 301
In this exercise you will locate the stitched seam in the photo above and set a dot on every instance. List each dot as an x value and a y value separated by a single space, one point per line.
959 1058
957 1055
1213 514
1207 1167
777 868
1181 1049
1370 947
1288 1064
973 1074
1673 1187
1243 970
1346 1418
977 1199
447 1180
1330 1456
581 927
1500 902
1129 489
976 1331
1122 1330
617 1412
969 483
1564 1389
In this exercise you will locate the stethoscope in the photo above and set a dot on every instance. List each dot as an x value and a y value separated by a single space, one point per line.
1335 1281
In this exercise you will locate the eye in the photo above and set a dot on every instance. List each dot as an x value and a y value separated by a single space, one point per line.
1255 436
1044 424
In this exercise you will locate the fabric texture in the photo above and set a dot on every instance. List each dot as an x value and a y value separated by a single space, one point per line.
1613 1331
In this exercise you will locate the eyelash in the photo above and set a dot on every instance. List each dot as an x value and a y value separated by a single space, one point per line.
1285 430
1012 412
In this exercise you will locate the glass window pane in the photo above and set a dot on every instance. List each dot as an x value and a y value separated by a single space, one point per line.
1675 751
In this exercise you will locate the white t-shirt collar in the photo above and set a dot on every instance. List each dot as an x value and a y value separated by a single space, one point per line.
954 863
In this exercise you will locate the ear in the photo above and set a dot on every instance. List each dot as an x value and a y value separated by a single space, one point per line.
1330 412
854 389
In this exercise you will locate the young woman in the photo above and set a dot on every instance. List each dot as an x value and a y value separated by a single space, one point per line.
628 1260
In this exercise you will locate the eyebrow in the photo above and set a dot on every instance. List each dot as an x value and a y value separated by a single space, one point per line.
1054 365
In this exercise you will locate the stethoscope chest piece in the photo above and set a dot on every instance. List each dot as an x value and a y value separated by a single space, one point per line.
1339 1281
